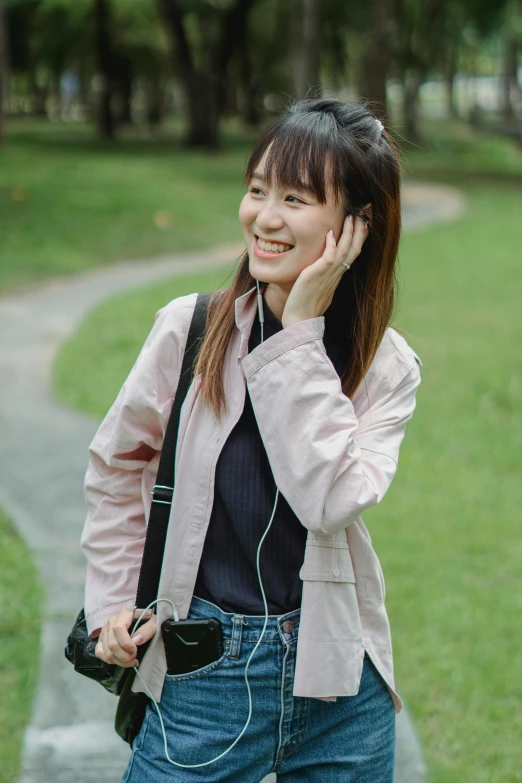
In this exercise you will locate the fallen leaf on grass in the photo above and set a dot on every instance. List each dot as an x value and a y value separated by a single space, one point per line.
162 219
18 193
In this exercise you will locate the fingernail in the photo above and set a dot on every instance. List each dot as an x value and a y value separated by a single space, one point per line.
137 638
331 233
350 218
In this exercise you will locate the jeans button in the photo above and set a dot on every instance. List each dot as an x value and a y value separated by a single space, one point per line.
288 626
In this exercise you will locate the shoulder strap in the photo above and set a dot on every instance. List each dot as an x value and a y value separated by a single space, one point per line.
164 488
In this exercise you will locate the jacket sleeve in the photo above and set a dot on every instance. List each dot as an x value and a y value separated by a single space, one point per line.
329 465
126 445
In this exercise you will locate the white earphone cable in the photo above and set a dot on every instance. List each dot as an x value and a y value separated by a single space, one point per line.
176 619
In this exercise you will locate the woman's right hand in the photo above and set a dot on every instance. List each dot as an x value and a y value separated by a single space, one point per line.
114 642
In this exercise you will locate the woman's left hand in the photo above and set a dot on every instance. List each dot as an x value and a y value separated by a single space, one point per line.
313 291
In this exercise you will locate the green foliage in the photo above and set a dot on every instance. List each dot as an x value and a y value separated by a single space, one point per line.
50 36
62 33
21 601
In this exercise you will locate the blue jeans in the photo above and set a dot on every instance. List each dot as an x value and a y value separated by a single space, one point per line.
303 740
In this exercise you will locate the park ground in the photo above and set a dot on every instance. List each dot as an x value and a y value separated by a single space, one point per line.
447 534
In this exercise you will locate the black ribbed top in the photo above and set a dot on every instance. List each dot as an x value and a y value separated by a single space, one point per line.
244 495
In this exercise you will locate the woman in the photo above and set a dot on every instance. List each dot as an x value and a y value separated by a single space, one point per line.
290 431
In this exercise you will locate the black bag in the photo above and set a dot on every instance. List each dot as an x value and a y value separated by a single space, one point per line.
80 647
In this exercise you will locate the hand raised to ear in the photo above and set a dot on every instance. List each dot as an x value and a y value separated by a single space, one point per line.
313 291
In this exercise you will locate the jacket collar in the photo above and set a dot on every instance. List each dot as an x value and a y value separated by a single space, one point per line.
245 307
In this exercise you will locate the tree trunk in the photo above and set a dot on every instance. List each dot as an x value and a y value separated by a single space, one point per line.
305 55
155 102
411 86
375 60
200 93
124 68
510 76
250 104
106 124
39 94
205 90
449 83
203 101
3 68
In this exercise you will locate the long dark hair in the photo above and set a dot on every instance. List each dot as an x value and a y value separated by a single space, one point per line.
340 146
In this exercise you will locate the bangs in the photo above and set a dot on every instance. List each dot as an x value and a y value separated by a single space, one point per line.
302 155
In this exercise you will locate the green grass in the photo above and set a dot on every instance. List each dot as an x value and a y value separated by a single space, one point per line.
90 368
454 153
20 615
448 532
68 202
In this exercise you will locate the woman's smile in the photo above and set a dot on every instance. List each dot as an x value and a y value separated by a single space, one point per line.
270 248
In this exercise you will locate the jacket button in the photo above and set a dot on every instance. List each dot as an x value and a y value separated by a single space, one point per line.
288 626
336 572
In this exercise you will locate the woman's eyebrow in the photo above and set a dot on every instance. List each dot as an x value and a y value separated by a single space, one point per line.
300 185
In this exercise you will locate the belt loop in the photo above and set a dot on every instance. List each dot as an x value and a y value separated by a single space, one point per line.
235 644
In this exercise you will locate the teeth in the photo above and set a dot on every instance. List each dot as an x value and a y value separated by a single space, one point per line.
272 247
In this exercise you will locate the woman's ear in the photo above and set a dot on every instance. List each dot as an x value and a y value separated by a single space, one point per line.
367 212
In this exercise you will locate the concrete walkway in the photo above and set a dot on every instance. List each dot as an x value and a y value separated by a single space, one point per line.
43 455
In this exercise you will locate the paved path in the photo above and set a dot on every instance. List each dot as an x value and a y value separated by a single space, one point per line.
43 453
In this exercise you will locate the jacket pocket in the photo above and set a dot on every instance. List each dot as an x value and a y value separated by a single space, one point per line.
330 618
327 561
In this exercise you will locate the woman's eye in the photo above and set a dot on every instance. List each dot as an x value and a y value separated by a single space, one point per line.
295 200
256 191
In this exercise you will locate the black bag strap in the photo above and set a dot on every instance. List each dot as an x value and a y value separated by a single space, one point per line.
164 488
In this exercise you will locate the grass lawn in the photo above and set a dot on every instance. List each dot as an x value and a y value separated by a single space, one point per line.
106 345
69 202
21 604
448 532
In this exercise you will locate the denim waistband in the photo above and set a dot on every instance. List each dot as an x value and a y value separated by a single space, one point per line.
281 628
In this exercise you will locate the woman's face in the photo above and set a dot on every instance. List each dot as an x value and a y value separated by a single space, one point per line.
284 229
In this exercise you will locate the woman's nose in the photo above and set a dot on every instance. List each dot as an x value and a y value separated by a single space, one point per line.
269 217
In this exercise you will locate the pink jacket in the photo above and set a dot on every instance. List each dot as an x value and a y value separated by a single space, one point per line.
331 458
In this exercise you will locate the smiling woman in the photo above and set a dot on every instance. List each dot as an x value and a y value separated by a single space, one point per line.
281 448
325 166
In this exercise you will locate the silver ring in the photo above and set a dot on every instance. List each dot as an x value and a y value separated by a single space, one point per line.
346 265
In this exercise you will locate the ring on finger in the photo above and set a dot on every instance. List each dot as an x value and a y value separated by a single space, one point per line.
346 265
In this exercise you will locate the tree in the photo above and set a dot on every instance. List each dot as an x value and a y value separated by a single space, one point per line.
202 45
512 38
375 57
107 67
305 48
114 41
3 68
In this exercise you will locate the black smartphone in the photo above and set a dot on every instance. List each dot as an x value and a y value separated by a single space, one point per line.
191 644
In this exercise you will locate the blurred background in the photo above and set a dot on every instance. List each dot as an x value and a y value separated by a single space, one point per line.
124 130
